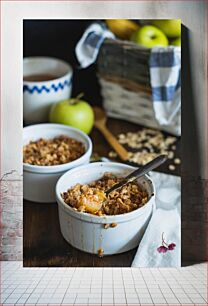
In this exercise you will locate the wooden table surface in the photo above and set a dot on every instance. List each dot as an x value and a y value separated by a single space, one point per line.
44 245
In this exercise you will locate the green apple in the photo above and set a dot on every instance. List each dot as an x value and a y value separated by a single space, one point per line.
73 112
149 37
176 42
170 27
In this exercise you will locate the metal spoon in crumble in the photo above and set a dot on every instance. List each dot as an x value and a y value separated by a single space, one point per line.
156 162
93 203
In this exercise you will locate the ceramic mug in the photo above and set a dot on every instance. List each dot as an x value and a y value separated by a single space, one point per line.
46 81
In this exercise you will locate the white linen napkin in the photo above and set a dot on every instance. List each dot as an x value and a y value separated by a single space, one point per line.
166 220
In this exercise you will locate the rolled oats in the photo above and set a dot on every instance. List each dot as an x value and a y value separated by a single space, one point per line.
146 144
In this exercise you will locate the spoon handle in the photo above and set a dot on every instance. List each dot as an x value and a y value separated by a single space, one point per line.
139 172
122 153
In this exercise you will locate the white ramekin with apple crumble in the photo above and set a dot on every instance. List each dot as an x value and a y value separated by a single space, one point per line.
91 222
49 150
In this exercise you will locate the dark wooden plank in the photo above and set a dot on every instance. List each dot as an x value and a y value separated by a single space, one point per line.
45 246
43 242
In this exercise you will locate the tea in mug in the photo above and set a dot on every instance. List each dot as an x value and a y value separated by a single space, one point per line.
39 77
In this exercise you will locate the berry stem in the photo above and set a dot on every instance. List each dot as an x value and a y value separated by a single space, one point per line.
163 241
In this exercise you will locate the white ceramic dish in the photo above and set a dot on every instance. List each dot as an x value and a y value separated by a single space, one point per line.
38 96
39 181
85 231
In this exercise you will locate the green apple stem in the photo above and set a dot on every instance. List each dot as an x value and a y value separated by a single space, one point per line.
76 99
79 96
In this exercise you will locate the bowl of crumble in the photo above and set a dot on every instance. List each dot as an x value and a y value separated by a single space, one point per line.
49 150
101 225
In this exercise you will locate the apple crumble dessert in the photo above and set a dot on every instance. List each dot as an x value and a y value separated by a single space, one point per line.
91 198
51 152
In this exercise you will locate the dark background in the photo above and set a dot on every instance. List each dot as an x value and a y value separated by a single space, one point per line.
58 39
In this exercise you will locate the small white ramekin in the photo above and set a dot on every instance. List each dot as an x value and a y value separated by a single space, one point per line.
85 231
39 181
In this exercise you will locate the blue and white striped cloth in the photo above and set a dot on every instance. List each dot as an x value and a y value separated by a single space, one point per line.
165 76
88 46
165 72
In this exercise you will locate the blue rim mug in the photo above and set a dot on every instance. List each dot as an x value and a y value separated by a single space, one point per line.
46 80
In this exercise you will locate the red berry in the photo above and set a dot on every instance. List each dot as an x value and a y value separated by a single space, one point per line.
162 249
171 246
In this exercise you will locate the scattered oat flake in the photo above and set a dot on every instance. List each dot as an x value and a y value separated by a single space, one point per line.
112 154
106 226
177 161
170 155
171 167
121 136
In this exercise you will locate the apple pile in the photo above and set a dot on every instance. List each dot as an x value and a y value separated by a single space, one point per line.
160 32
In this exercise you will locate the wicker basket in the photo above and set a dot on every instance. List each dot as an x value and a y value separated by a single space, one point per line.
123 73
